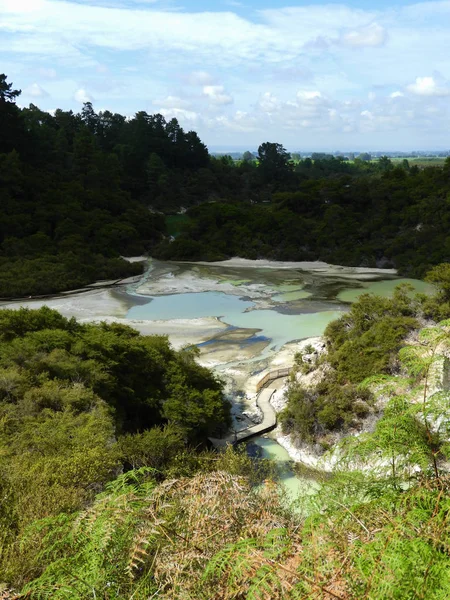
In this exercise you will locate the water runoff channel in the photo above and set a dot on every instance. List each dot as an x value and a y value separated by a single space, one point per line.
246 317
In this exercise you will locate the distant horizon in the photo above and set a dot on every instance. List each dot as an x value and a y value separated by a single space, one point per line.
219 149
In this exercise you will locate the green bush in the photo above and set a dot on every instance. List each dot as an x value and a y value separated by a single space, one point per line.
362 343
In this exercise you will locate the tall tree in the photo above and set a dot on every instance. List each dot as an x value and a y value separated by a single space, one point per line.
273 162
11 128
7 94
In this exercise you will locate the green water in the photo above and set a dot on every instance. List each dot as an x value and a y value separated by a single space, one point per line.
279 328
284 328
383 288
190 306
237 282
293 485
290 296
302 304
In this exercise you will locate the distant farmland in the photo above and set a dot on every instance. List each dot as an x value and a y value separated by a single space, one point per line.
422 161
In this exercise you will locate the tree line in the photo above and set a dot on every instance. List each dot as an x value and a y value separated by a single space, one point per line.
79 190
367 214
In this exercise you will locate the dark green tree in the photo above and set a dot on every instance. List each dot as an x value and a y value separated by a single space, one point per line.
274 163
7 93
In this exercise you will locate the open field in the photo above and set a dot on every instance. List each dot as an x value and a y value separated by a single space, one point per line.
422 161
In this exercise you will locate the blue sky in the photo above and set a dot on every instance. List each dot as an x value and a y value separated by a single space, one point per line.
312 75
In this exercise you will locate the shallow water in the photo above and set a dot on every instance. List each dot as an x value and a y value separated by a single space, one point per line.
293 485
289 296
190 306
283 305
281 328
277 327
383 288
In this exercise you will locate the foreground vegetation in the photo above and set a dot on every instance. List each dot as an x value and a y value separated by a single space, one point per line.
212 537
81 403
103 495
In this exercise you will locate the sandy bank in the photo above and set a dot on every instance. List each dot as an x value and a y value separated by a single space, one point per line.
92 305
134 259
181 332
189 282
313 266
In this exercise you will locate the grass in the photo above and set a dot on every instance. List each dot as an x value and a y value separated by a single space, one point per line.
422 161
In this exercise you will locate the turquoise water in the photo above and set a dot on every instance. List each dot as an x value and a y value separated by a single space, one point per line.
383 288
285 328
290 296
293 485
304 316
189 306
279 328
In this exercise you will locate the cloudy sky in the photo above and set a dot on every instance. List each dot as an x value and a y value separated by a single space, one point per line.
309 74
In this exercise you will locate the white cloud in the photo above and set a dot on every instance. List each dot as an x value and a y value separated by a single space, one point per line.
239 122
173 102
369 35
217 94
36 91
347 63
185 116
279 36
48 73
268 102
82 96
308 96
199 78
427 86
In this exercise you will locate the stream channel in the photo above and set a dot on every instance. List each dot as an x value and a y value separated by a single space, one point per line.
246 317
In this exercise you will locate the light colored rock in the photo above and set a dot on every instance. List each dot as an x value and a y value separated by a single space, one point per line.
279 399
313 266
255 417
133 259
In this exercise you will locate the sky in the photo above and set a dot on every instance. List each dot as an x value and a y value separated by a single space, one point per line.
311 75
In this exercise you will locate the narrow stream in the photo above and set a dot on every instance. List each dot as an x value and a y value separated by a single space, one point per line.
293 485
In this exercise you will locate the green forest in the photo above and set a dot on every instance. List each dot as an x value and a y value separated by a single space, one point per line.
374 214
78 191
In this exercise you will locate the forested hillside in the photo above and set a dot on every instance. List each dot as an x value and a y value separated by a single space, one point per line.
77 191
376 215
